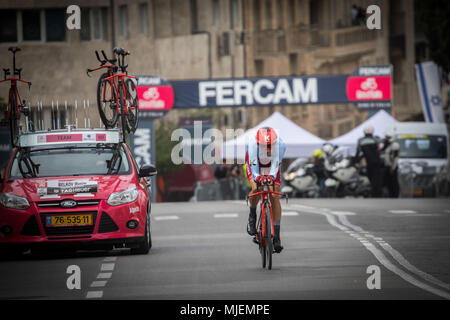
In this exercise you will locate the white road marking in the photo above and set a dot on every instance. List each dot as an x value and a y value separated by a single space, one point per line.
381 257
402 211
289 213
107 267
343 213
161 218
400 259
97 284
226 215
94 294
110 259
104 275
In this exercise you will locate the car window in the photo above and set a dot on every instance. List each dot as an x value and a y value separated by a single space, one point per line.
73 161
423 146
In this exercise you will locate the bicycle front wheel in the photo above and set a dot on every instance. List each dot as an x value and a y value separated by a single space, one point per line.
13 121
269 236
106 101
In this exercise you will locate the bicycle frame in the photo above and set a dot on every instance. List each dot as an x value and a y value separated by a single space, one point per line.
116 85
262 217
16 94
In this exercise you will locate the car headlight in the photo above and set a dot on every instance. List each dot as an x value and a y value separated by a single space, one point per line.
123 197
11 201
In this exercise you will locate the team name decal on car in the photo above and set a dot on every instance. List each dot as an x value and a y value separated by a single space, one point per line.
134 210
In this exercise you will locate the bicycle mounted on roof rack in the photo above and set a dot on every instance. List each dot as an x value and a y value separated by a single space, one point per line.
116 93
14 106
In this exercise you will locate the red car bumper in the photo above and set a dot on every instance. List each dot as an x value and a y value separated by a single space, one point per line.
109 224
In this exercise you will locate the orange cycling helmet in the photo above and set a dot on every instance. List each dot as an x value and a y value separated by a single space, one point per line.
266 136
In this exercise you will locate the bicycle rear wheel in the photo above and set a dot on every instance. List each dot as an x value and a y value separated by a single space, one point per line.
269 237
132 103
106 101
13 121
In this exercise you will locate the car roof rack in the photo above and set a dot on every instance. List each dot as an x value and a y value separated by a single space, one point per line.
69 136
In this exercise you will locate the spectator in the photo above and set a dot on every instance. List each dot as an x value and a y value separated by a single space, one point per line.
361 16
319 170
354 14
221 171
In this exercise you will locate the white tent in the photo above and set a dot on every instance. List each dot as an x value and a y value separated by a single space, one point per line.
299 142
380 122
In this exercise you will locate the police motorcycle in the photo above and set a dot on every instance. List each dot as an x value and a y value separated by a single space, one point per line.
345 177
300 180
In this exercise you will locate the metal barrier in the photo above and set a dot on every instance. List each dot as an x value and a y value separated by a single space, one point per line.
222 189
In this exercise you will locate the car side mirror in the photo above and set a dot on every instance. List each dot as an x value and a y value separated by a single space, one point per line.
147 170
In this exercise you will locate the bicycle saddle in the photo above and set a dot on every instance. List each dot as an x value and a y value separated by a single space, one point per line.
14 49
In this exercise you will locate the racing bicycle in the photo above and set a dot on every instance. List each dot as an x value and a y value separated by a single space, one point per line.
14 106
265 230
116 92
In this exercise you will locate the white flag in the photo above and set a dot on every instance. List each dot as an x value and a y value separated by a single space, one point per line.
428 80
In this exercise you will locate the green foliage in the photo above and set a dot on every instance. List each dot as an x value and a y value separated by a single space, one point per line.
433 17
164 147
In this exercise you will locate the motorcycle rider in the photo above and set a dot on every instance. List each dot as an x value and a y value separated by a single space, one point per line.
319 170
264 154
333 154
390 156
368 148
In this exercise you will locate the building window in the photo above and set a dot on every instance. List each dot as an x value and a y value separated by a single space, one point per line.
31 25
93 24
293 64
8 26
256 15
216 13
291 12
55 25
234 14
123 21
194 16
269 14
259 68
299 11
280 14
143 18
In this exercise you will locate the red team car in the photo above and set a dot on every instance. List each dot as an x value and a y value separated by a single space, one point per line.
76 187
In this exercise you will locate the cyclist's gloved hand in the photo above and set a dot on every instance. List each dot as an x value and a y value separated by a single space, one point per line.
270 179
259 179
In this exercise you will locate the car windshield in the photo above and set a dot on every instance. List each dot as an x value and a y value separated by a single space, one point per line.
425 146
69 161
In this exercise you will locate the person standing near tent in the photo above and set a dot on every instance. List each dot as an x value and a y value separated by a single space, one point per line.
263 157
368 148
390 155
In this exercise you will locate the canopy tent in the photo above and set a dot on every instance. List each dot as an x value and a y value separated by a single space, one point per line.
380 122
299 142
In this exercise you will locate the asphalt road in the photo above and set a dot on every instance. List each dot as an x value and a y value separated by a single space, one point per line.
202 251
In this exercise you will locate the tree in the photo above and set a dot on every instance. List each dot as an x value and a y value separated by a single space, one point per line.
164 146
433 17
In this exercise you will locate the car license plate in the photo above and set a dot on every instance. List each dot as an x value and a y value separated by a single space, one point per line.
69 220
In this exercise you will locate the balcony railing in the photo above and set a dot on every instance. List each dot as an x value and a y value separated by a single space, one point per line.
309 37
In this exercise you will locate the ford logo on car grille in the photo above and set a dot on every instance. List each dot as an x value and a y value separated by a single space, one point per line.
68 203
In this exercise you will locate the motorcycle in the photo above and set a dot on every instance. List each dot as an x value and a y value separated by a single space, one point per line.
300 180
346 179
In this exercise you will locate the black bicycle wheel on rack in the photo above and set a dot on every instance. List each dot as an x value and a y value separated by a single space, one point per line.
106 101
132 105
13 120
122 116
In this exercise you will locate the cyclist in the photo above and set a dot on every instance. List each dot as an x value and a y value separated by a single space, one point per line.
263 157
